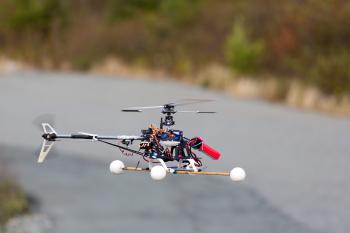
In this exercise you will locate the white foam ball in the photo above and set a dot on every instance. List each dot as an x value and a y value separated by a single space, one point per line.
116 167
237 174
158 172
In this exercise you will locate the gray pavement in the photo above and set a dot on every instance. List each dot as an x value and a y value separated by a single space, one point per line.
297 162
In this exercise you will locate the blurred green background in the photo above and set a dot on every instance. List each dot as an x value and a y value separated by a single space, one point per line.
307 40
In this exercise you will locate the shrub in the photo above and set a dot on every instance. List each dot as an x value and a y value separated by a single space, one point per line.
241 53
331 73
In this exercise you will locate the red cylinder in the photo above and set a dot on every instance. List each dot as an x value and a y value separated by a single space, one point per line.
214 154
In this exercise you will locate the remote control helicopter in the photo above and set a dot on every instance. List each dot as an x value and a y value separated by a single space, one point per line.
157 145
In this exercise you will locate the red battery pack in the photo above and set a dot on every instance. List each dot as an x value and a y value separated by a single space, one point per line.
211 152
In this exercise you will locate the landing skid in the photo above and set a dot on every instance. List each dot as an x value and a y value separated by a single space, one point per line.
159 172
179 171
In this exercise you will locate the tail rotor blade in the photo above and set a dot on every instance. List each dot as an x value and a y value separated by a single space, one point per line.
48 118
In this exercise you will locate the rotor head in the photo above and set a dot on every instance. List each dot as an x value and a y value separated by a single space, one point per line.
170 108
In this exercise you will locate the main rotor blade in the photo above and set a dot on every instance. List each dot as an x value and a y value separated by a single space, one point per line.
139 109
183 102
131 110
195 111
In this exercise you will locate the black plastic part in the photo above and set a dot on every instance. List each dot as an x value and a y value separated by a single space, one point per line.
131 110
161 123
169 121
81 136
49 136
196 143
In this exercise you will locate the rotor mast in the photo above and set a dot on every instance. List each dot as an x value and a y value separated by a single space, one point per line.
168 110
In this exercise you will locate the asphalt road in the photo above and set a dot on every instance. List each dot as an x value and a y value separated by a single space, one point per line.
297 162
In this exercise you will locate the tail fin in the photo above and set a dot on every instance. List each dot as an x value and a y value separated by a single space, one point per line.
46 147
48 142
48 129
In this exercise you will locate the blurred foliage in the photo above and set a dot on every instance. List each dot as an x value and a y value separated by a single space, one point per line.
121 9
307 40
336 68
12 201
22 15
179 12
242 54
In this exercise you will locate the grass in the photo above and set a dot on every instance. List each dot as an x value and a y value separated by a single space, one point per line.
12 200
